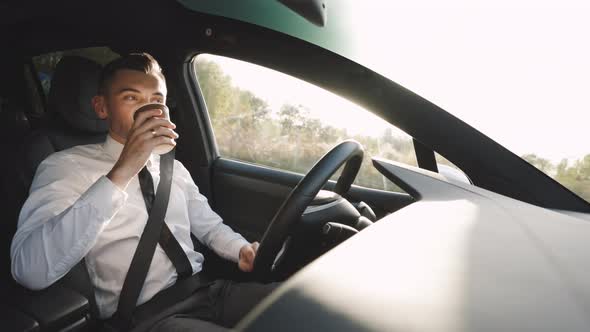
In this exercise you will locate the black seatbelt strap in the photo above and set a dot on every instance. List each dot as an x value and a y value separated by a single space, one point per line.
142 258
167 240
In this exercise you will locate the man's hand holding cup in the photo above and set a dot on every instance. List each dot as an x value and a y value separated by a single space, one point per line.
151 131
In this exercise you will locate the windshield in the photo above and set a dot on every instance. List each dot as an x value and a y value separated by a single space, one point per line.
514 70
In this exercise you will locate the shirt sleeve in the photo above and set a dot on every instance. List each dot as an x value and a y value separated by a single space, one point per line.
60 221
207 225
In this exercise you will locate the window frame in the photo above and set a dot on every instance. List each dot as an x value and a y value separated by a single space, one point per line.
198 100
207 125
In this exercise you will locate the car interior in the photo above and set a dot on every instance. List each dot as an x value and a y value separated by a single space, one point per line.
245 195
69 120
36 125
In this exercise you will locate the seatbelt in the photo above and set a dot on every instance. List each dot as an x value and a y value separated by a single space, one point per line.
167 240
142 258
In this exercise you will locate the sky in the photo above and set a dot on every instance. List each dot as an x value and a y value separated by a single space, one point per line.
518 71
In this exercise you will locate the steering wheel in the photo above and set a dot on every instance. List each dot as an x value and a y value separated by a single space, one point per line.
349 152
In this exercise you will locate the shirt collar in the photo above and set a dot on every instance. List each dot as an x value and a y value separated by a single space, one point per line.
114 148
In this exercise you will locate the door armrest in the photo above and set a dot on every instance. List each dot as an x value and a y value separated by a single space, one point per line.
55 308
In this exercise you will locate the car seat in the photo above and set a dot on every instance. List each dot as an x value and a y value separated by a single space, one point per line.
70 121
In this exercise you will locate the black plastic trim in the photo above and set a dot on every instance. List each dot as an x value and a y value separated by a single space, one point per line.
383 202
425 157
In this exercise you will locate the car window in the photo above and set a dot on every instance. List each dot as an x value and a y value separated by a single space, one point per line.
265 117
45 63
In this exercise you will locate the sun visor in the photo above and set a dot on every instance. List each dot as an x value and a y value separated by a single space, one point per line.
334 35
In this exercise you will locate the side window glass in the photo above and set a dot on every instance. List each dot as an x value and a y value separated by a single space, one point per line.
265 117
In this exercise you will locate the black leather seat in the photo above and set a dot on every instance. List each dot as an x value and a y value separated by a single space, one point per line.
70 116
70 121
14 320
14 127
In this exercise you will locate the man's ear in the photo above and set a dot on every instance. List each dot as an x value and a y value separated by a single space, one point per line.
99 105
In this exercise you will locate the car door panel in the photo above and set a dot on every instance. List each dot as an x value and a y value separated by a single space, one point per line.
247 196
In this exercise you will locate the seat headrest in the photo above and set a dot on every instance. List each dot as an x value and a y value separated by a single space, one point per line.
74 83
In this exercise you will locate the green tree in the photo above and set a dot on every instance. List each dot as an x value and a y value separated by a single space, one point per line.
246 129
541 163
216 87
575 176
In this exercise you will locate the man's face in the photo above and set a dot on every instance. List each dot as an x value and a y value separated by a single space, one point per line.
129 90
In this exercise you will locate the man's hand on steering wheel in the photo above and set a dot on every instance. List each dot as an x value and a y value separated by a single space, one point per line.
247 255
348 153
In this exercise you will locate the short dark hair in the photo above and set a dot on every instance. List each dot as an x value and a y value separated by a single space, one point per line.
142 62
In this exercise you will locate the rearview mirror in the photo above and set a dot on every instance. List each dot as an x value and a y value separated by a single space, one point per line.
315 11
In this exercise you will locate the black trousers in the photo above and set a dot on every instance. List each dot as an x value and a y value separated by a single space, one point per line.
216 307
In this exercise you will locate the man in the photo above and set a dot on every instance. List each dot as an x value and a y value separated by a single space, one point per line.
87 202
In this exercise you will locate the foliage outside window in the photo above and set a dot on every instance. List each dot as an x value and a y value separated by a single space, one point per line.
266 117
574 174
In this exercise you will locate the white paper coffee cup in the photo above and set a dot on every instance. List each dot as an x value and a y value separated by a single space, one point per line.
162 148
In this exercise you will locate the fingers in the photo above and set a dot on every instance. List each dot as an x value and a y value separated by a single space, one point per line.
164 131
149 121
250 254
255 246
146 142
153 132
247 255
141 117
153 124
157 136
245 267
162 140
148 130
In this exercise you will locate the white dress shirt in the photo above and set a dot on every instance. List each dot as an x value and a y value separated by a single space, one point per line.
75 211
